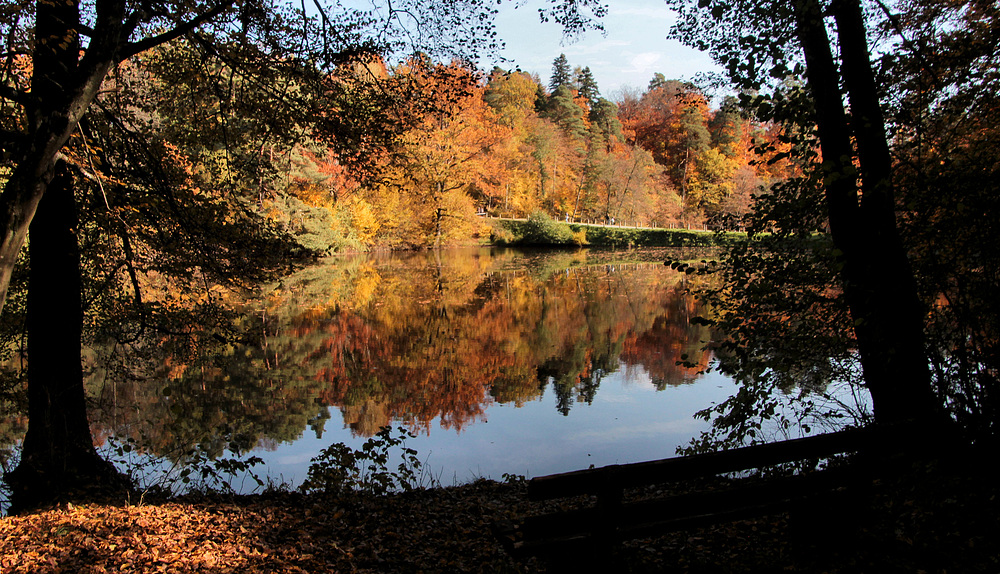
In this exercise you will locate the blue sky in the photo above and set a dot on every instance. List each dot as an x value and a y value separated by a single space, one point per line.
634 47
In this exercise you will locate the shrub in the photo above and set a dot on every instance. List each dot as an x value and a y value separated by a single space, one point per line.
542 230
339 469
502 235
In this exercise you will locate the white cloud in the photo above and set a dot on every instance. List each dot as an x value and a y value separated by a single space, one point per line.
295 459
642 63
586 49
644 12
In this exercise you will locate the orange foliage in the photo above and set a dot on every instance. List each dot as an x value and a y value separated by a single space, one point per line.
419 351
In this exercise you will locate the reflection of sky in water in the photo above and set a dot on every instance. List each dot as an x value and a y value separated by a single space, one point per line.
624 325
628 421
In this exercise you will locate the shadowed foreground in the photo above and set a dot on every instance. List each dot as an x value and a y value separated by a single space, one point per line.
937 518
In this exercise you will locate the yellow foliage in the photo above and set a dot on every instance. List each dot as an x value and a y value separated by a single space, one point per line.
364 220
366 285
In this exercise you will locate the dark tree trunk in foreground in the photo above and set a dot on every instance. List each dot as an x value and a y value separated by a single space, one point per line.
878 282
63 86
58 459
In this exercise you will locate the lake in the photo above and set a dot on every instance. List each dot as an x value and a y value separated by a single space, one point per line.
501 361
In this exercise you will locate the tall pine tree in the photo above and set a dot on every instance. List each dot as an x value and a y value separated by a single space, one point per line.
561 74
588 86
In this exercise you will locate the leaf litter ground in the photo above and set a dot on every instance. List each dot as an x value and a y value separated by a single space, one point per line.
934 520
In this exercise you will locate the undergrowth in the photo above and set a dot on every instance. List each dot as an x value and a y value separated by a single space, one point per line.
340 469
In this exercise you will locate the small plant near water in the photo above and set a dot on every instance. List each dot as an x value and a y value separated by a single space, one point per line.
514 479
340 469
195 471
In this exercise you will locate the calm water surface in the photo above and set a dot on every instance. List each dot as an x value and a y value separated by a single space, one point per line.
500 361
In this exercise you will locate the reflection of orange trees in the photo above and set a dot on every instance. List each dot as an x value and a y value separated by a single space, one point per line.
446 340
673 350
366 419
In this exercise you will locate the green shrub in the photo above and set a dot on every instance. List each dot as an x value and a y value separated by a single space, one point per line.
339 469
626 237
501 234
542 230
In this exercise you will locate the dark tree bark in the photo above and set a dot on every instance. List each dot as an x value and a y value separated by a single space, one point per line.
64 85
58 459
878 283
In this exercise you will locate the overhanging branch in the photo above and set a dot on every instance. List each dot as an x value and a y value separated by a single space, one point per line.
134 48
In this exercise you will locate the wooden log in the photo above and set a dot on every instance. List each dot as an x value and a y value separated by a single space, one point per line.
685 468
589 528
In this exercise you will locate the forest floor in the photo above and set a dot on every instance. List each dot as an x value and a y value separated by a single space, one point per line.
936 518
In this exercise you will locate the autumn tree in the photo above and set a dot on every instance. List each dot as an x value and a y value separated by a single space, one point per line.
71 49
557 159
854 180
512 96
447 161
670 121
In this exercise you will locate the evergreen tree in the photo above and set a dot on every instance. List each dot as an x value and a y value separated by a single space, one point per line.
562 110
604 121
588 86
695 135
560 73
658 81
541 99
726 127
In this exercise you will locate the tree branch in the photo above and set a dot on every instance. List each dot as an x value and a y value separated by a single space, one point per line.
84 30
141 46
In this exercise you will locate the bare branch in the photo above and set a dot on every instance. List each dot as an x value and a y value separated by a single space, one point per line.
84 30
141 46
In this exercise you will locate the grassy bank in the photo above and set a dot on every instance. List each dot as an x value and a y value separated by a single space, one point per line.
541 230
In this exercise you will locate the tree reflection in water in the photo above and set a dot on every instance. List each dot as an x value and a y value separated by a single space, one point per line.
412 338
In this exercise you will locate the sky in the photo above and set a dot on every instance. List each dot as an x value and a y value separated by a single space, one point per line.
634 48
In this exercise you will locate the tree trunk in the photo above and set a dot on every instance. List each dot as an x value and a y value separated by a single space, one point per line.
897 330
878 283
62 88
58 459
17 208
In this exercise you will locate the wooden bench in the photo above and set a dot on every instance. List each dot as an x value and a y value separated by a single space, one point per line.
599 527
